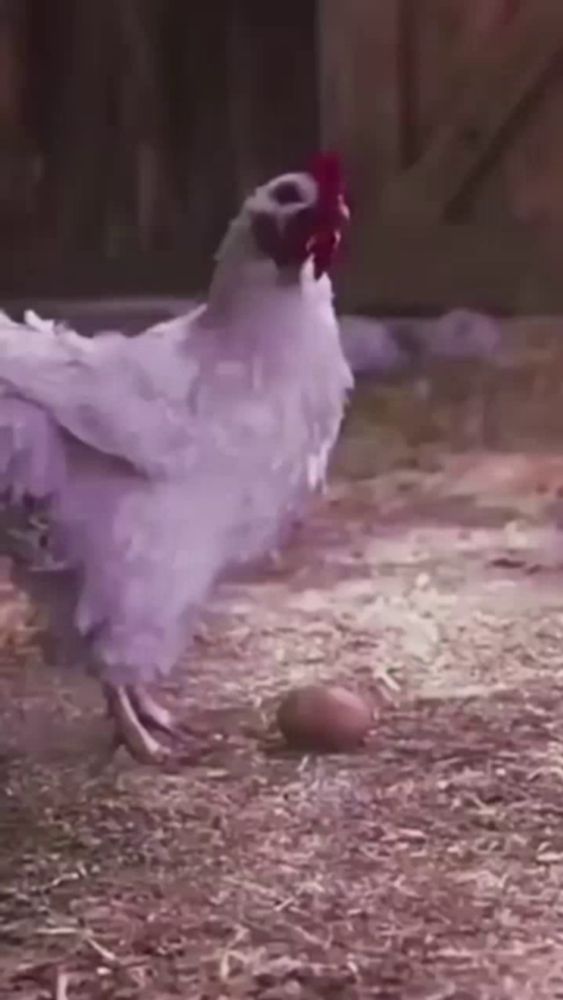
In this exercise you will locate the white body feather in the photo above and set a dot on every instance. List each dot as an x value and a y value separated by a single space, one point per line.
166 458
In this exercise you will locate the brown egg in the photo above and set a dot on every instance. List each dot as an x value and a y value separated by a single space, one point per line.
324 718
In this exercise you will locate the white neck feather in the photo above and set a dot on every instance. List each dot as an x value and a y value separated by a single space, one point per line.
242 272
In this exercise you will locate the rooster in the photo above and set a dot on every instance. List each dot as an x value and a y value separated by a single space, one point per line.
135 472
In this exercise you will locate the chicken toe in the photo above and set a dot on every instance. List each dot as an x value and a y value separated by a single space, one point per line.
130 730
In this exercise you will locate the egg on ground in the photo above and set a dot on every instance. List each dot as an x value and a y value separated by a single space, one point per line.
324 718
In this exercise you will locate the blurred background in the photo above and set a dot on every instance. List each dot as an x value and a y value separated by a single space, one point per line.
131 129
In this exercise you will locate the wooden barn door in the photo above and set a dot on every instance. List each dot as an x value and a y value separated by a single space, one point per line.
130 130
450 117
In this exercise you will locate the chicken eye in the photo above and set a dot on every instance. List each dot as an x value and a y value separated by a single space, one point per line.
287 193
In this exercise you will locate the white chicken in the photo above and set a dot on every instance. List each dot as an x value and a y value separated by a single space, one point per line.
158 462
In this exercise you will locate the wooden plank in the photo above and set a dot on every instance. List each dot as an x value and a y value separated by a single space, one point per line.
28 275
451 36
272 93
18 163
12 15
203 144
410 267
148 151
79 171
360 80
510 72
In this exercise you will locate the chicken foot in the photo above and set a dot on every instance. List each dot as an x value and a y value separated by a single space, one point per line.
134 713
150 712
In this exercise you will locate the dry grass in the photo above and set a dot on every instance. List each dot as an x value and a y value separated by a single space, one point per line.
429 866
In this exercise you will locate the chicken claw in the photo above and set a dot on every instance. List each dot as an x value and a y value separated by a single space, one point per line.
130 730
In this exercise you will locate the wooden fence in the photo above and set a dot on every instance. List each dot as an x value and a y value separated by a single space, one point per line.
130 129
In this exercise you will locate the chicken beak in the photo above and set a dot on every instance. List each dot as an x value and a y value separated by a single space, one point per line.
343 210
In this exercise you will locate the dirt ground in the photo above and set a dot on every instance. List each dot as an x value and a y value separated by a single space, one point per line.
427 866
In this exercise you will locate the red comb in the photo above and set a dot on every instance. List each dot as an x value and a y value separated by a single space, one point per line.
326 169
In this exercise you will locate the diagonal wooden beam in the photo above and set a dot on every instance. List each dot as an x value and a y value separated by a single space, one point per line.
511 73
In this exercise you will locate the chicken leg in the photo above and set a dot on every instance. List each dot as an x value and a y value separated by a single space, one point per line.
150 712
133 711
